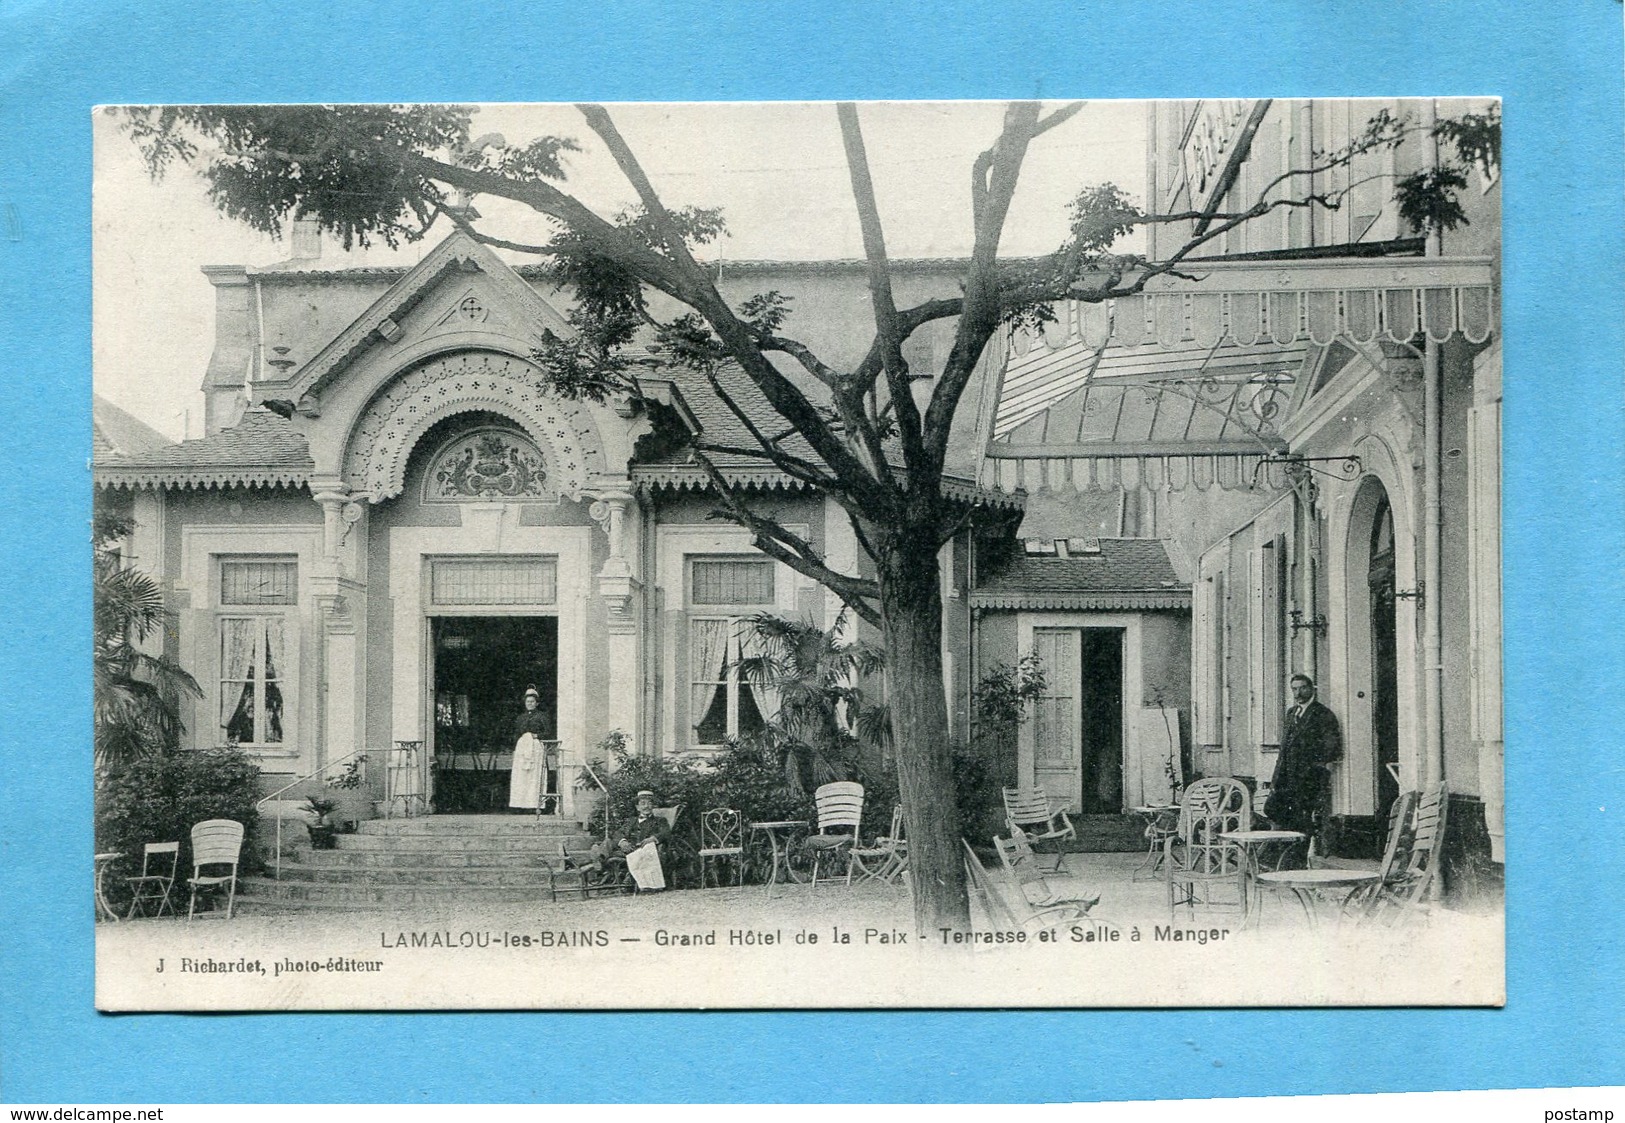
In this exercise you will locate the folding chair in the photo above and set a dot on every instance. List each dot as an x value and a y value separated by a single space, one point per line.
886 859
840 810
722 835
1029 810
217 844
154 883
1022 866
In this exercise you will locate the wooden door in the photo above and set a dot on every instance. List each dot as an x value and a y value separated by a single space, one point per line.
1057 727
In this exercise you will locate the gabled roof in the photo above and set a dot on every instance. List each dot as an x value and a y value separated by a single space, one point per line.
1126 574
114 432
260 450
458 252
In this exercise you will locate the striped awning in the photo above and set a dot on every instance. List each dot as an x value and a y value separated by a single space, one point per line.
1207 366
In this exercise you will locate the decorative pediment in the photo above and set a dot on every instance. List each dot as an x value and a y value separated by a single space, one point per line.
459 286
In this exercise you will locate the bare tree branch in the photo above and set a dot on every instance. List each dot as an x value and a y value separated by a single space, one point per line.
888 335
701 294
794 551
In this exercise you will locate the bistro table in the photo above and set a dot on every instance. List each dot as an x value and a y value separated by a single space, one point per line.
103 909
777 832
1254 844
1161 821
1307 884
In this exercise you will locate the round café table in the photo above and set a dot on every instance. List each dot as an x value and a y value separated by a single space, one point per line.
1253 845
777 832
1161 821
1306 885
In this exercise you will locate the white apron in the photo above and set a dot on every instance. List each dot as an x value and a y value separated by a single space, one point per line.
529 772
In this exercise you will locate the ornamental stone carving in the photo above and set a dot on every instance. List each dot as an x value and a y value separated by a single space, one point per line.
566 439
486 464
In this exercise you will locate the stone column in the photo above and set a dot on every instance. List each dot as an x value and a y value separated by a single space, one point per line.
619 587
338 587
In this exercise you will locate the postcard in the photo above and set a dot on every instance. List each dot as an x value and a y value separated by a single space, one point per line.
792 555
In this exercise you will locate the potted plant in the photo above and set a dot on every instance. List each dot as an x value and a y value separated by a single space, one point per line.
322 829
351 804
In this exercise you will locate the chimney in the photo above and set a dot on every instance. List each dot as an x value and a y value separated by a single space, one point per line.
306 239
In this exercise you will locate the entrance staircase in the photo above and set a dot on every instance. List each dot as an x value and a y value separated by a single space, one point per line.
430 860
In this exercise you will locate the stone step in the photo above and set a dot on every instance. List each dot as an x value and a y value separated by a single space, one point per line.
1108 834
427 859
264 890
450 843
417 876
490 825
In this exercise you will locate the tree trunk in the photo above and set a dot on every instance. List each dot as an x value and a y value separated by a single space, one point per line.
911 611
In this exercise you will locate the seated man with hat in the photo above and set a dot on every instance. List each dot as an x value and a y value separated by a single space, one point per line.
639 841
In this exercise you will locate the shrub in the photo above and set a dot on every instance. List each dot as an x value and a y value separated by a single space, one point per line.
160 799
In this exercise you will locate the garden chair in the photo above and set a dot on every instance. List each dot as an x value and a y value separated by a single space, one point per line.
153 885
1196 858
217 844
1006 909
886 859
1021 864
722 835
840 810
679 857
1029 810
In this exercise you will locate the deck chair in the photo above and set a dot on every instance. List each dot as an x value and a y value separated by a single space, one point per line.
1006 909
840 810
886 858
1029 810
1196 860
217 845
722 835
157 878
1413 870
1021 865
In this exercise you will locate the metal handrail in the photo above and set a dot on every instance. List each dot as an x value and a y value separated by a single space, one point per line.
605 789
277 873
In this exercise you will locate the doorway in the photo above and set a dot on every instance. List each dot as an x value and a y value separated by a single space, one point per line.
1078 735
482 666
1100 711
1384 658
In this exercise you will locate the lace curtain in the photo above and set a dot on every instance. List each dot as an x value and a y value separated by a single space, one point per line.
765 695
237 679
251 659
708 671
273 681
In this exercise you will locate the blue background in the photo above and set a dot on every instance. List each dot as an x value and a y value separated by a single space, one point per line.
1557 65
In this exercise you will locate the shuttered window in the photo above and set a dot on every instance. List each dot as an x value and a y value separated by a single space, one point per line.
733 581
270 581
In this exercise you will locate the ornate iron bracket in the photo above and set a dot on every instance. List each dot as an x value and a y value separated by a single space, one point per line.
1347 467
1418 594
1316 623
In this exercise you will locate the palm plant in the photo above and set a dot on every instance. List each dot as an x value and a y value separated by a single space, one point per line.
824 721
136 703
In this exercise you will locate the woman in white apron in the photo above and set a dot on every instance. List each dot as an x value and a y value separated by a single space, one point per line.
531 729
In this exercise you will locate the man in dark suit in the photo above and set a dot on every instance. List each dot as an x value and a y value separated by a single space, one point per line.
1300 796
